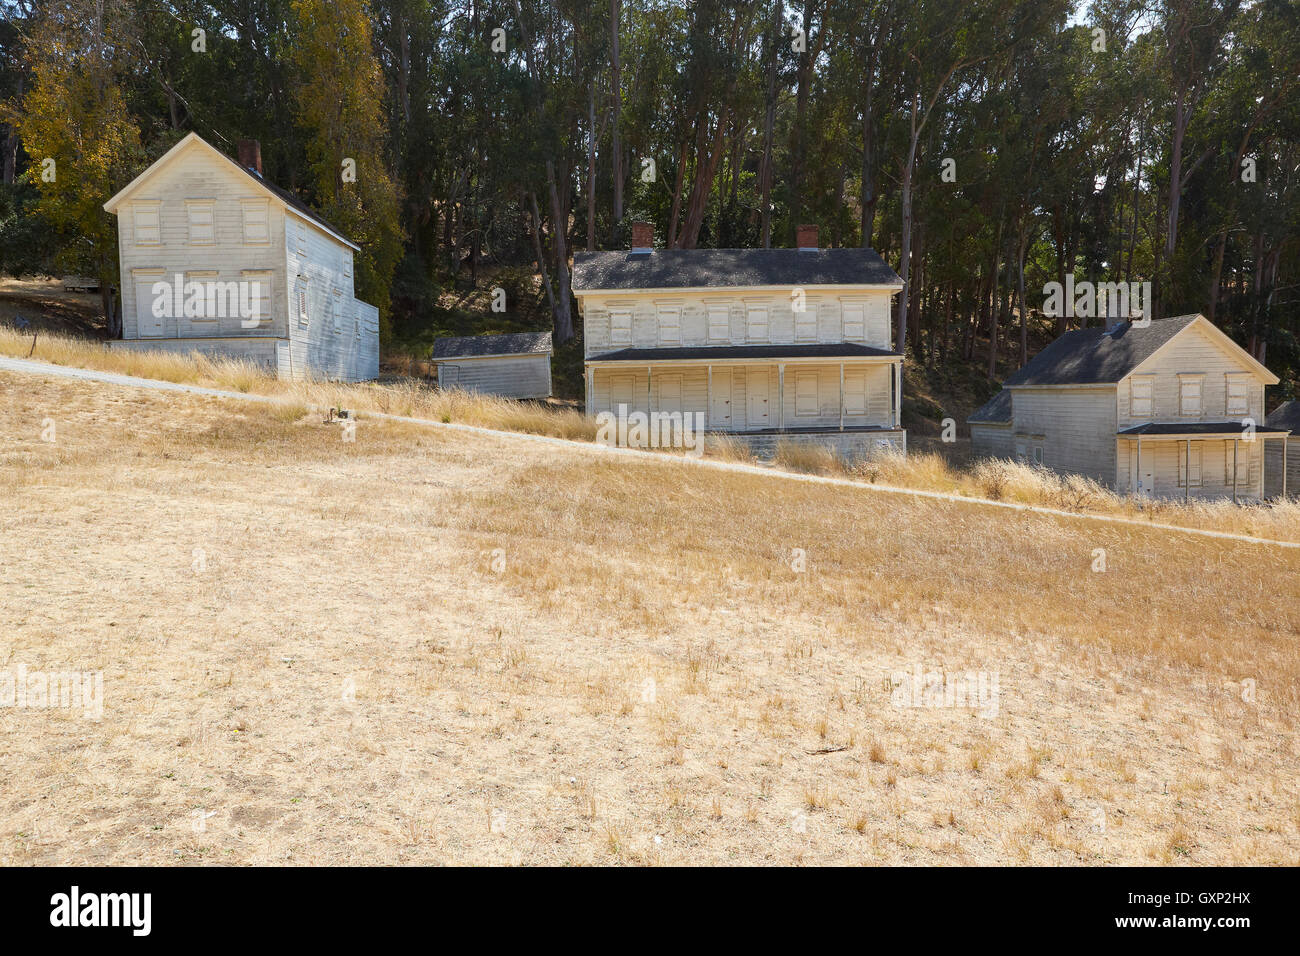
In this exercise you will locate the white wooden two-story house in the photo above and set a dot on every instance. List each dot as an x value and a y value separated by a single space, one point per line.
1174 409
768 344
215 259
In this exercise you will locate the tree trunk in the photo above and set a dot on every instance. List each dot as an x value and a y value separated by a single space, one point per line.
563 314
769 121
591 167
616 84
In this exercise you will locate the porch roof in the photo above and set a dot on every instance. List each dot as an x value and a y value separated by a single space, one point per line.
723 353
1224 429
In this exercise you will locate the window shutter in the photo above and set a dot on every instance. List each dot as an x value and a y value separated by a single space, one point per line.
805 326
855 393
805 393
855 315
719 323
670 325
756 324
148 229
620 326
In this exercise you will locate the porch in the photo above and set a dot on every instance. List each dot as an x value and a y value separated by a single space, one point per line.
1195 459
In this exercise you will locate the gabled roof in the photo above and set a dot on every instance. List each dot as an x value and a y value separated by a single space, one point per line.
481 346
996 411
1286 415
720 352
283 196
729 268
1097 357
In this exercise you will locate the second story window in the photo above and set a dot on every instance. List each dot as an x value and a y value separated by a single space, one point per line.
620 327
1140 396
304 318
756 323
1189 396
805 325
670 325
719 323
257 229
335 306
1238 393
855 321
148 228
202 221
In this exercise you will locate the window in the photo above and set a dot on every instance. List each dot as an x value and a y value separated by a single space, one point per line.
304 318
855 321
259 297
1192 458
1238 393
257 226
213 300
855 393
1140 390
756 323
620 326
719 323
356 321
334 310
1189 396
1037 454
805 394
670 325
670 393
148 229
202 221
805 325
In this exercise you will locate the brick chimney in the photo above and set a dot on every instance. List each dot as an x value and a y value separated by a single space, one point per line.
643 236
807 236
250 155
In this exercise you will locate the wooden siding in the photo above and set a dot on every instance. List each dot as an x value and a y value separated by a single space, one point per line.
746 397
512 376
689 326
1161 467
1273 468
992 441
195 179
1077 425
1194 351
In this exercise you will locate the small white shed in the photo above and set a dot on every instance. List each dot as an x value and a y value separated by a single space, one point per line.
1280 480
515 365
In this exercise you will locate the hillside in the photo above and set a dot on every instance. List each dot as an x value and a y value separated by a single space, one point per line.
437 646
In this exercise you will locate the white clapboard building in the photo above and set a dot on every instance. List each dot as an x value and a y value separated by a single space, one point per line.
215 259
514 365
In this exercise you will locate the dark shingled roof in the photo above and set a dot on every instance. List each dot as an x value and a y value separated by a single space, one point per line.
513 343
720 268
836 350
1097 357
996 411
1286 415
1196 428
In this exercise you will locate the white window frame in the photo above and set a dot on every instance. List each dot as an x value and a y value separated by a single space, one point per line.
1197 463
209 208
257 208
1188 384
303 293
854 329
264 279
719 319
802 410
670 332
1241 382
142 211
805 324
1148 382
620 326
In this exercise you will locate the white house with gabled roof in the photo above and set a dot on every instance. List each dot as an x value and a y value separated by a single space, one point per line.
217 260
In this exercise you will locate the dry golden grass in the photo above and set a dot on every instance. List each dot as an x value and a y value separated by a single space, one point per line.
1003 481
432 646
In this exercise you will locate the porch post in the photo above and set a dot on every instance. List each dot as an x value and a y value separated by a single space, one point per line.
780 396
708 400
898 393
841 396
649 390
1285 439
1138 484
1235 442
591 382
1187 471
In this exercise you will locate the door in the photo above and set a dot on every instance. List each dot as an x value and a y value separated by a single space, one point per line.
621 389
757 413
148 324
720 404
1139 470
